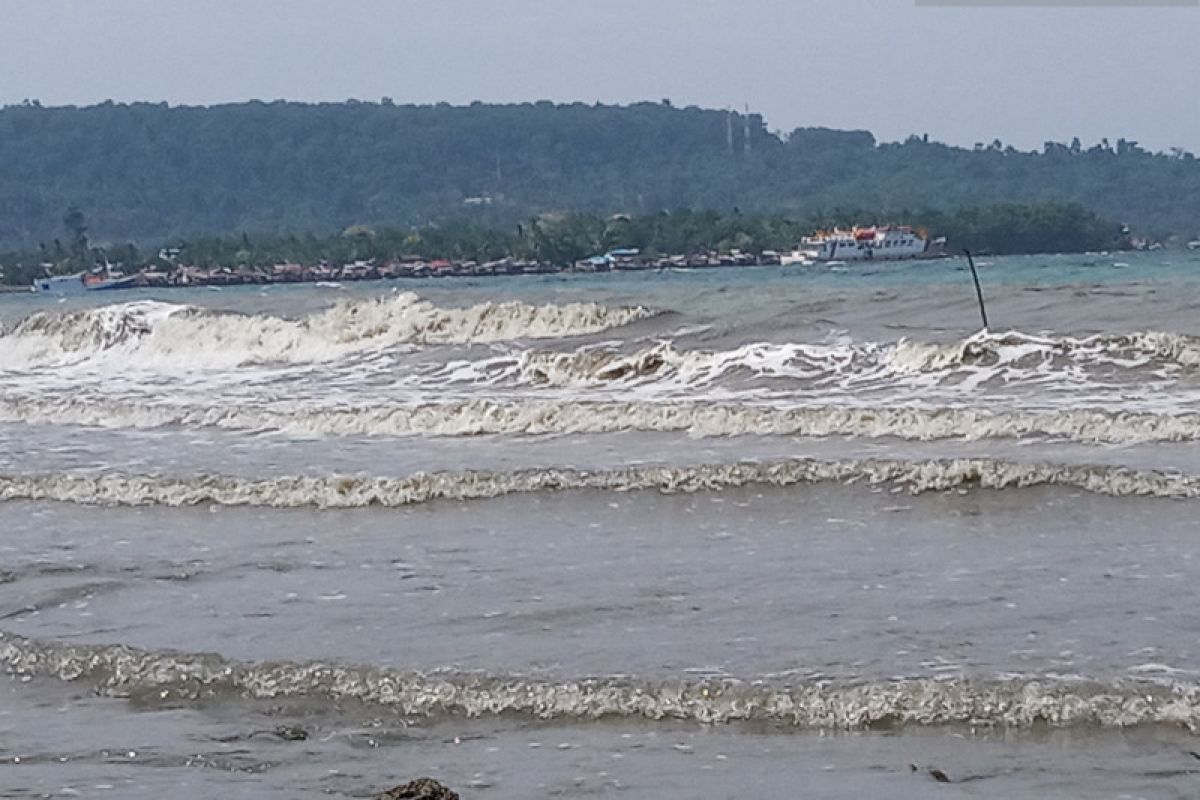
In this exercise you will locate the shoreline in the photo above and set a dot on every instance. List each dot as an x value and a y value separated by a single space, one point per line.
192 277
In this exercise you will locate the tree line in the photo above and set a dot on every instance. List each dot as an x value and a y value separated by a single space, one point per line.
151 172
562 239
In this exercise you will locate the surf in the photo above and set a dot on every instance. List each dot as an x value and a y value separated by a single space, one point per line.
488 417
345 491
1016 702
171 334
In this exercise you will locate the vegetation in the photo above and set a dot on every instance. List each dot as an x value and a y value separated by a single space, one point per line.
151 173
564 239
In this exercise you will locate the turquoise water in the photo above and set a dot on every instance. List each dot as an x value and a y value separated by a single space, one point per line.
1173 267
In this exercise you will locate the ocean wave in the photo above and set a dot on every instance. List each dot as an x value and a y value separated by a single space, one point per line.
913 476
172 677
536 417
190 335
1015 347
1000 357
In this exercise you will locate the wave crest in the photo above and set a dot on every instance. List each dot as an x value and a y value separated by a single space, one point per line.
1011 357
915 477
121 671
491 417
1015 348
160 331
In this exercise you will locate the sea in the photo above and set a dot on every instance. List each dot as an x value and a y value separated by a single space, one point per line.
746 532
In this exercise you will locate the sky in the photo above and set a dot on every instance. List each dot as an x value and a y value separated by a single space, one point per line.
977 71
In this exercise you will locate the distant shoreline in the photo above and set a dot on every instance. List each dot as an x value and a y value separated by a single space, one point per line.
192 277
561 243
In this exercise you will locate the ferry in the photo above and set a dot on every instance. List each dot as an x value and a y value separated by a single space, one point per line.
888 243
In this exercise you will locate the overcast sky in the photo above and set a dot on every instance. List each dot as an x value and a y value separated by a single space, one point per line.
962 74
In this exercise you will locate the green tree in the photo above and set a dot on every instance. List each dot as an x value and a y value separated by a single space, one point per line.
76 226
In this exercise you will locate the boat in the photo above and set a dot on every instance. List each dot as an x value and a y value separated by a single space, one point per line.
887 243
80 282
60 284
104 281
796 258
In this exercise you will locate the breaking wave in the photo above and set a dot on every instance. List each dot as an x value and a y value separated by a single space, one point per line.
121 671
532 417
1121 350
914 476
189 334
1005 357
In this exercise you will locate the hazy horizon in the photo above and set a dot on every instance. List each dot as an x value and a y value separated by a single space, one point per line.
963 75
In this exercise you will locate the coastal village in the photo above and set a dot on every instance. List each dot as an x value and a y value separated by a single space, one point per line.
183 275
858 244
367 270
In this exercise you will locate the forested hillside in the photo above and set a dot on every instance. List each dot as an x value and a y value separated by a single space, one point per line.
151 172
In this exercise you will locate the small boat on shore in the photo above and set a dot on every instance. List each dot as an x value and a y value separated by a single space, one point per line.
796 258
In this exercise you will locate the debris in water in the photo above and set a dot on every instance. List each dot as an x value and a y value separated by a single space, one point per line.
934 773
291 733
420 789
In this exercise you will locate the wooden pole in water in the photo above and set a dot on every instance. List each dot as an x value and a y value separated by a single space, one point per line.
978 290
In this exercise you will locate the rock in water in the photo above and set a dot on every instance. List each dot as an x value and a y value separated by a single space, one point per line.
420 789
291 733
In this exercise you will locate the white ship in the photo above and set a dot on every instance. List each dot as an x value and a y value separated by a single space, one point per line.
60 284
889 243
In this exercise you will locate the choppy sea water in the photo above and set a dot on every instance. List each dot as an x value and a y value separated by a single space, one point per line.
772 530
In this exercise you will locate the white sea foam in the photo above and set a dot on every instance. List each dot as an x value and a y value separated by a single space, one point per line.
1015 347
358 368
534 417
166 676
1144 372
1003 357
162 333
914 476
